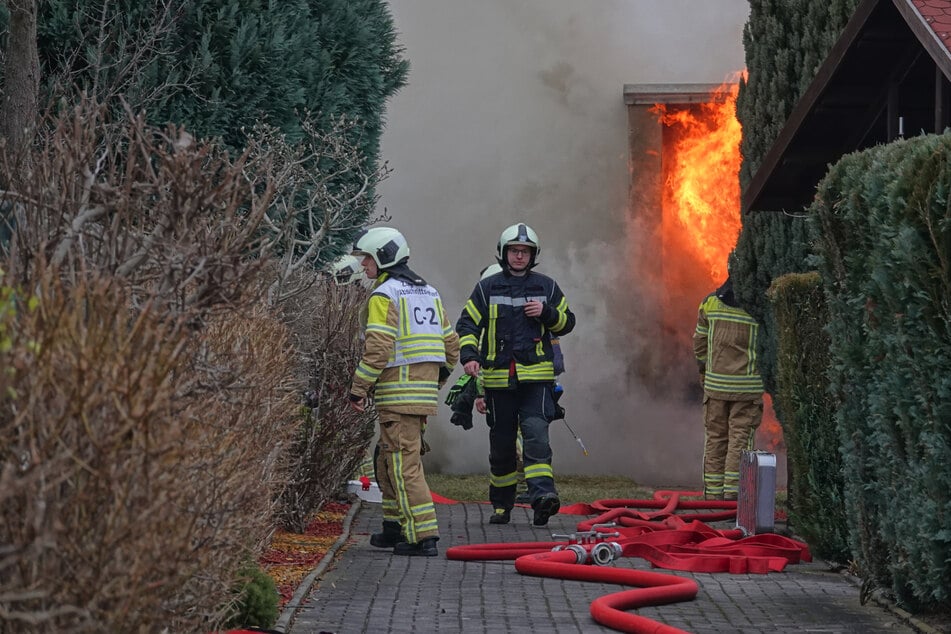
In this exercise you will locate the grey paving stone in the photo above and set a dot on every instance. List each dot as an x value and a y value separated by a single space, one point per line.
367 590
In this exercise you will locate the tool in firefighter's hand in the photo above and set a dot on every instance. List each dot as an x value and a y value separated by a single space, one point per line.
583 448
560 415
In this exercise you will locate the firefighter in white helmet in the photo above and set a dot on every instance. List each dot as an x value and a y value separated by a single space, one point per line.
724 343
346 270
410 349
506 331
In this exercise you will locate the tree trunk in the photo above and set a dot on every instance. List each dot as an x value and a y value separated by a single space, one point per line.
18 110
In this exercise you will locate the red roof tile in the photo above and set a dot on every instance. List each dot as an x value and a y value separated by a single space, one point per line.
937 15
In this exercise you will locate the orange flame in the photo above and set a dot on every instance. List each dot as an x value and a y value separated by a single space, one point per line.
702 196
770 432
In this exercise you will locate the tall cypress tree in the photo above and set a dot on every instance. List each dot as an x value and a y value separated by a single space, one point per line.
785 42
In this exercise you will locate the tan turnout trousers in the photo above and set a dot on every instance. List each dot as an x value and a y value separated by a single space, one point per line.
406 495
730 427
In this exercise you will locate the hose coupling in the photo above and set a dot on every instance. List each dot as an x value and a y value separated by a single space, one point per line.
606 552
581 555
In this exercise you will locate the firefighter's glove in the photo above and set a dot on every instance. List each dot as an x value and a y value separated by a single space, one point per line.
424 447
462 419
457 389
559 412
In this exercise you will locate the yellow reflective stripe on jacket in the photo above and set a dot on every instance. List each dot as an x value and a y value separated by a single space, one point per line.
490 334
541 371
423 345
385 329
407 393
474 313
728 313
562 316
404 318
447 329
368 372
728 383
476 316
497 378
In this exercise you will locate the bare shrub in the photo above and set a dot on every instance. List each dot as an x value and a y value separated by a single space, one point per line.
153 391
174 219
138 460
151 396
329 447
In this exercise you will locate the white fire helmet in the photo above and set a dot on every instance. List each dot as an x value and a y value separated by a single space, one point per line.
490 270
519 233
346 270
385 245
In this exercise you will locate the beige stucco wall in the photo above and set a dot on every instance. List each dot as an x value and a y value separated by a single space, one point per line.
514 112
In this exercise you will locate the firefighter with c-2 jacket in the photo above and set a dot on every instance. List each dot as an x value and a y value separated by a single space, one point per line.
409 350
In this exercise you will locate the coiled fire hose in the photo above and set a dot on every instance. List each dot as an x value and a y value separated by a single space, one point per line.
662 537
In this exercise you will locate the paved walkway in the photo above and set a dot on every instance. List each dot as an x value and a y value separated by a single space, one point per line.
368 590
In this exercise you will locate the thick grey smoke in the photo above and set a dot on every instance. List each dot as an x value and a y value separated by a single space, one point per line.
514 111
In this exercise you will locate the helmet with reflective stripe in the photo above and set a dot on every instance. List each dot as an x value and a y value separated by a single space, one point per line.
490 270
385 245
519 233
346 270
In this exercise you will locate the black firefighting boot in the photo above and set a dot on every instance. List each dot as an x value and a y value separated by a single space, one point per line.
424 548
389 537
545 506
500 516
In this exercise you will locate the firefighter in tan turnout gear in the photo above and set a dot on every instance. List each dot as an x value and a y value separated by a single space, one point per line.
506 331
409 351
724 343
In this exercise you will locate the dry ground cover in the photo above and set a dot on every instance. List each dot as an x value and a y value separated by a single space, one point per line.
292 556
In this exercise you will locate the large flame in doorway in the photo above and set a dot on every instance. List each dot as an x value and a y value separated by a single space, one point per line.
701 204
702 189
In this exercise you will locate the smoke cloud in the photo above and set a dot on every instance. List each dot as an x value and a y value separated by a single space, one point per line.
514 112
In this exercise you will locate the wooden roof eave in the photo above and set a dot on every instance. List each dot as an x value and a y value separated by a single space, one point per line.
774 156
929 39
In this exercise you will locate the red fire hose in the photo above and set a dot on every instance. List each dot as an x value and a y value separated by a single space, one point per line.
662 537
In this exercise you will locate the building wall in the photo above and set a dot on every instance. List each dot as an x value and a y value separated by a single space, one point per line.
514 111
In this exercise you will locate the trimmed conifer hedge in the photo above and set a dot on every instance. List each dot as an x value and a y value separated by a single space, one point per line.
816 488
883 220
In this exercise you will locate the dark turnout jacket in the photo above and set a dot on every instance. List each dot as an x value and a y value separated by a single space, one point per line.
514 347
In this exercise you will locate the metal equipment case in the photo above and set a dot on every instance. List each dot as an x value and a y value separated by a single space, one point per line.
756 502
